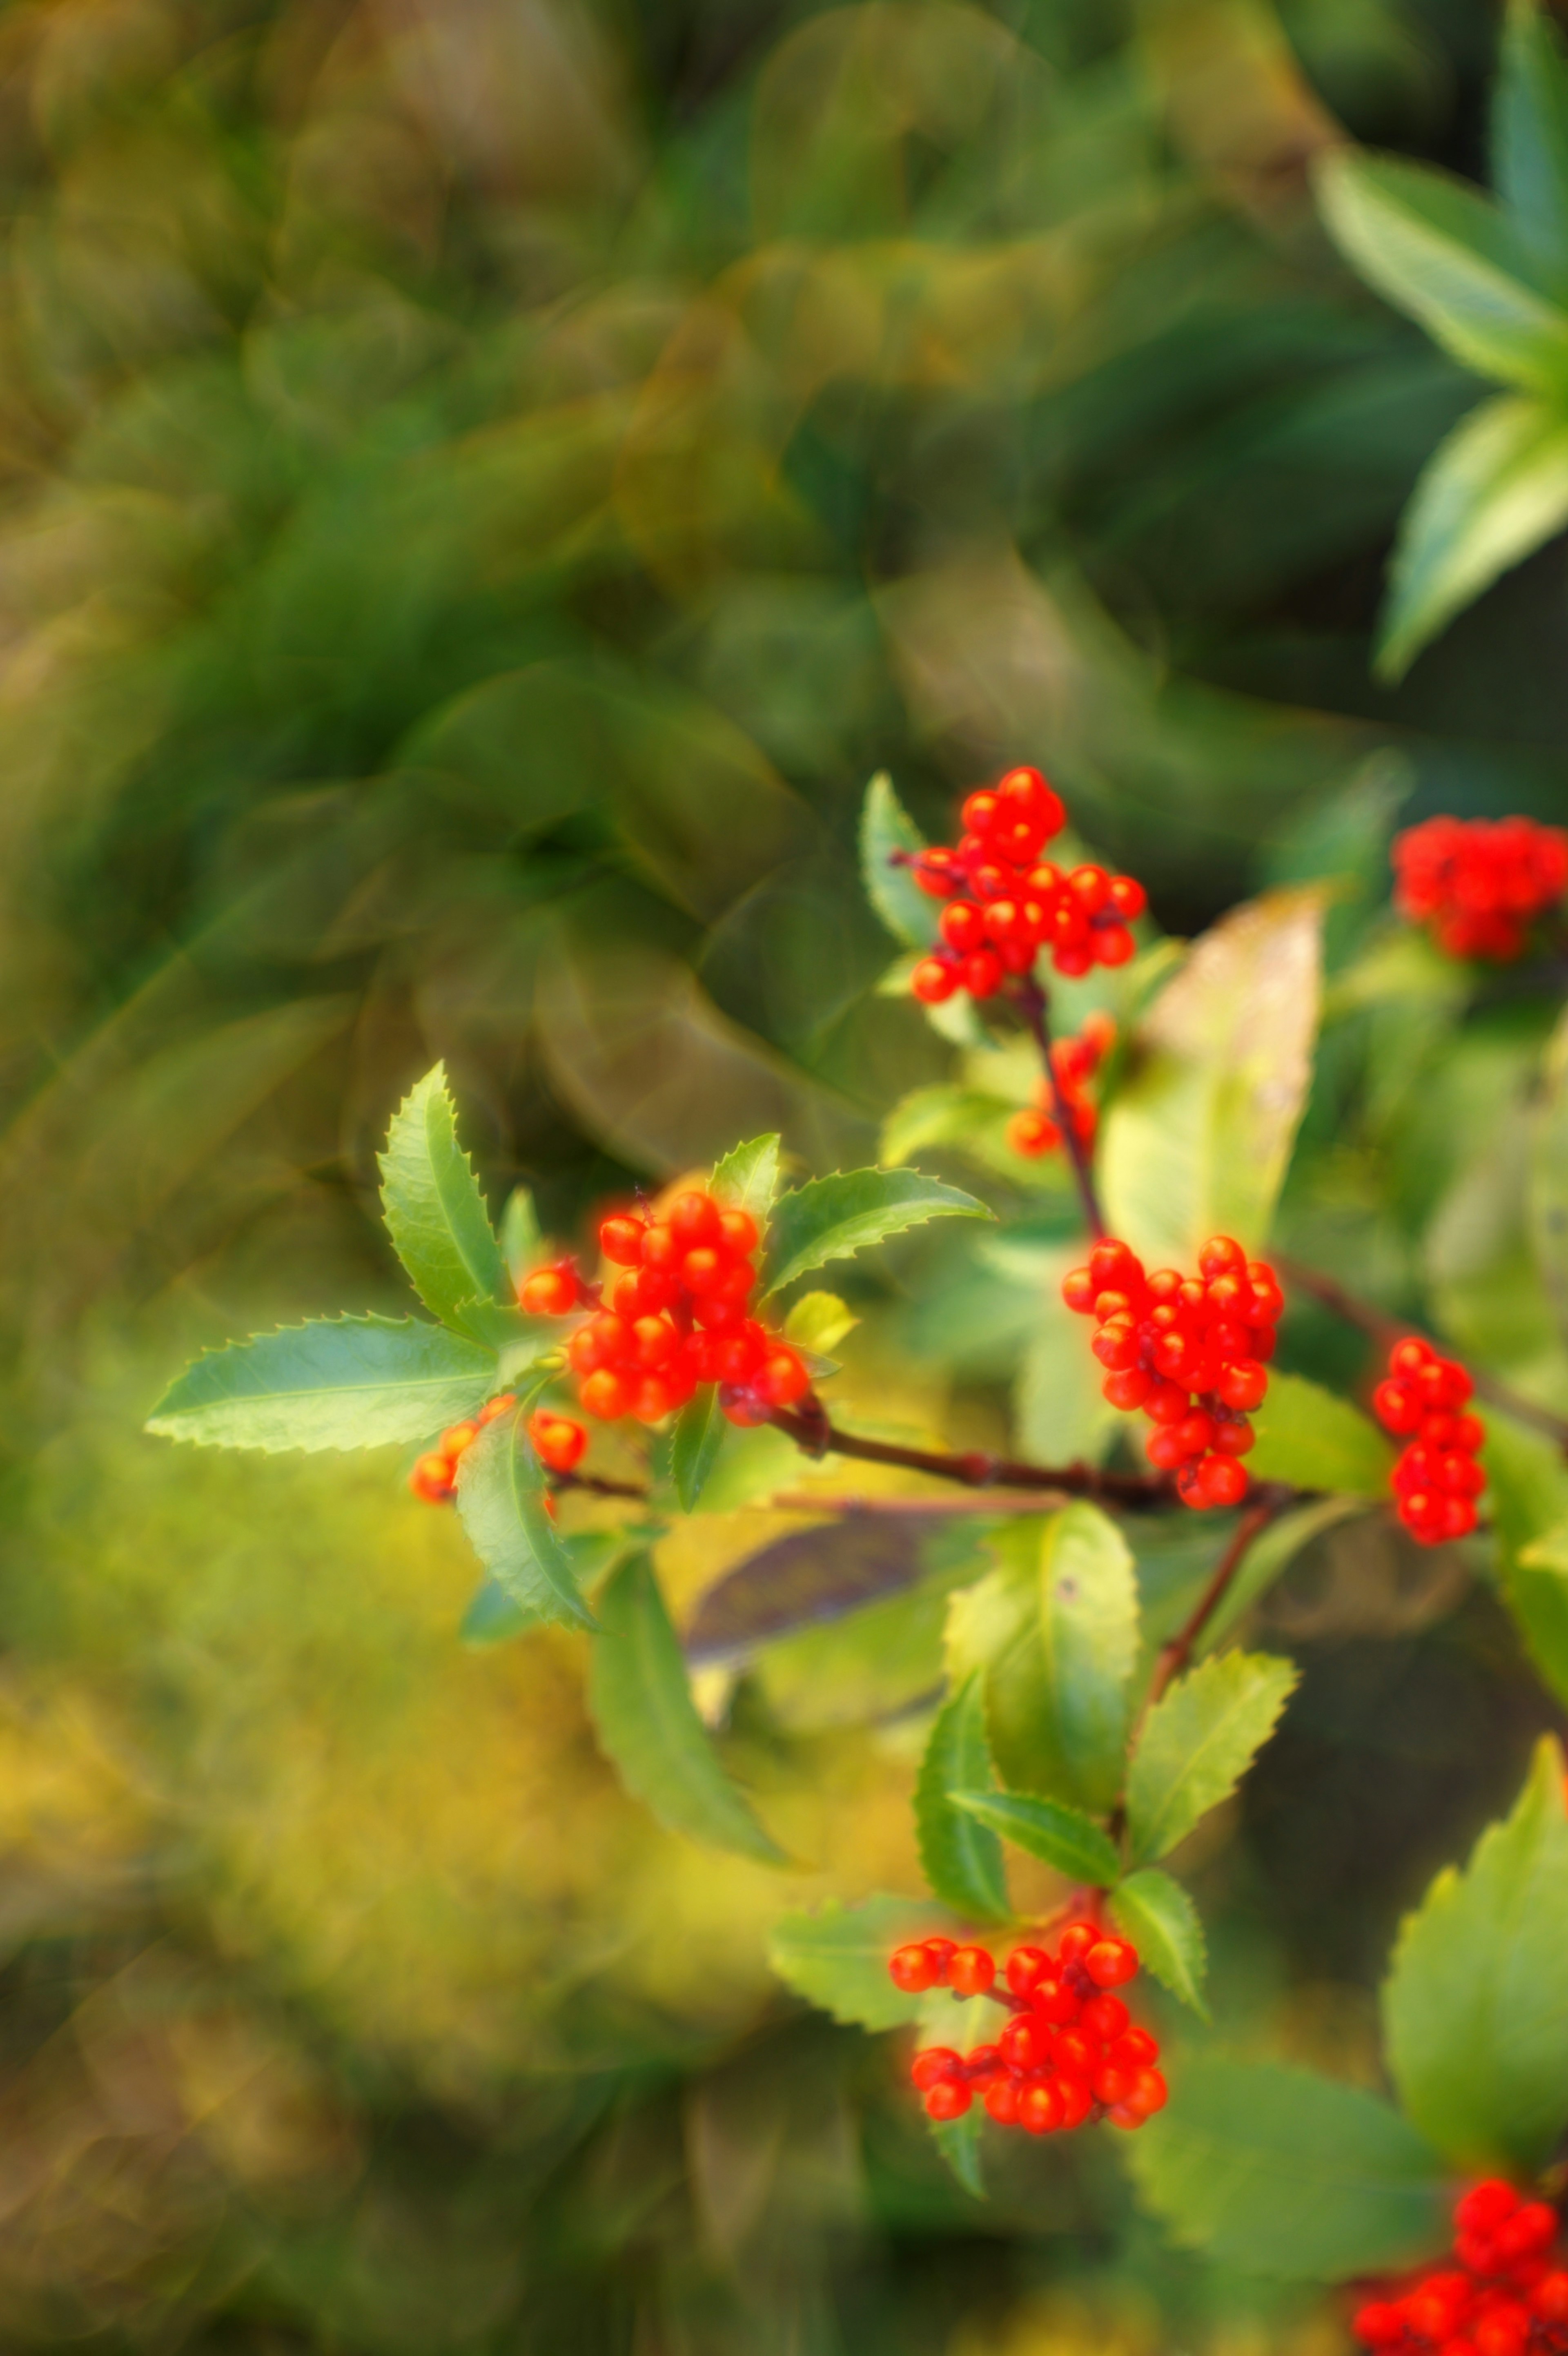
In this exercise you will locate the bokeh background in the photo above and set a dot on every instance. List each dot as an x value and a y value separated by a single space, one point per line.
482 484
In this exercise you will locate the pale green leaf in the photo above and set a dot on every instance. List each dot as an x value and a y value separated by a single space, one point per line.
1494 491
1061 1837
832 1218
1054 1628
1527 1482
647 1723
1198 1743
501 1499
1529 132
695 1443
818 1321
962 1860
522 1244
340 1382
747 1179
1314 1440
1547 1197
1161 1920
1476 2006
435 1214
942 1115
886 826
1451 258
1200 1136
495 1617
1279 2171
837 1957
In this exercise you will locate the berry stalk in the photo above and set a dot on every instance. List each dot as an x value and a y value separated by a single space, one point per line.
1037 1014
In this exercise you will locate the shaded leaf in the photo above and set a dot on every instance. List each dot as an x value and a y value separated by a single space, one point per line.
958 2141
1161 1920
647 1723
837 1957
1200 1136
1061 1837
808 1577
1495 490
832 1218
501 1498
909 914
1280 2171
695 1443
1450 258
961 1858
748 1177
1529 132
1527 1482
1270 1555
339 1382
1475 2005
435 1212
1054 1628
1309 1438
1198 1743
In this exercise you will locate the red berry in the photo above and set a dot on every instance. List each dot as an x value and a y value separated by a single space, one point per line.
605 1395
1243 1385
970 1971
1111 1963
934 980
1105 2016
1025 1965
929 2068
548 1291
1041 2108
949 2100
782 1380
737 1232
1222 1481
981 973
1025 2042
432 1478
1130 1388
1002 2100
913 1969
558 1442
962 924
621 1240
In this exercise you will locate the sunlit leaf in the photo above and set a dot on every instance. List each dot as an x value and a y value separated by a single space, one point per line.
647 1723
837 1957
339 1382
832 1218
1061 1837
1198 1743
960 1858
435 1214
501 1498
748 1177
1547 1200
909 914
1527 1482
1161 1920
818 1321
522 1244
1475 2005
1309 1438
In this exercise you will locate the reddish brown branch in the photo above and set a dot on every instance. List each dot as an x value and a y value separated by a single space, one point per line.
811 1429
1029 995
1174 1657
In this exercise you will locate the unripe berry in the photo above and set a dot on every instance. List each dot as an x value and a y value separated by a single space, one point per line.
970 1971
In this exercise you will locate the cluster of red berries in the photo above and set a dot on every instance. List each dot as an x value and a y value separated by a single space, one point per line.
676 1317
1437 1479
1006 904
1479 884
1074 1063
1192 1351
1070 2053
434 1476
1504 2297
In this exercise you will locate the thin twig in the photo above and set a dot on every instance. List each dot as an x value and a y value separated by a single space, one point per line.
811 1429
1174 1657
598 1485
990 1501
1385 1331
1027 994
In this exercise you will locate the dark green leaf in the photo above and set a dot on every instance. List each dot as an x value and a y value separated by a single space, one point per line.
1476 2006
837 1957
647 1723
1280 2171
340 1382
1309 1438
832 1218
909 914
748 1178
958 2141
501 1498
1493 492
1529 132
1439 250
699 1433
962 1860
1062 1836
435 1214
1161 1920
1198 1743
1054 1628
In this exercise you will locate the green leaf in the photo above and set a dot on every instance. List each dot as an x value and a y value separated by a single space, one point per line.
435 1214
818 1322
1530 133
943 1115
837 1957
1493 491
501 1500
1200 1136
1198 1743
832 1218
695 1443
962 1860
1450 258
1476 2006
1062 1836
339 1382
909 914
1160 1919
522 1244
748 1177
1537 1588
1271 1554
647 1723
1547 1198
958 2141
1054 1628
1527 1481
493 1617
1309 1438
1280 2171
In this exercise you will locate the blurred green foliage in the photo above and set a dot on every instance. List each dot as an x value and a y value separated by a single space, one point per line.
485 483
